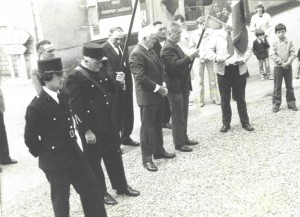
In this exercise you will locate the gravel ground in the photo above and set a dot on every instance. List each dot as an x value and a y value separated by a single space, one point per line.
235 174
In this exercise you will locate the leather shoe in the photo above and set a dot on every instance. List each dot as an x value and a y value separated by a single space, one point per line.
167 125
129 191
294 108
248 127
225 128
10 161
164 155
183 148
191 142
109 200
130 142
150 167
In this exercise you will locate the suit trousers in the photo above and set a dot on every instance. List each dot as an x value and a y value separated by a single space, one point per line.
279 74
127 116
179 110
166 111
85 184
151 131
4 150
106 148
232 79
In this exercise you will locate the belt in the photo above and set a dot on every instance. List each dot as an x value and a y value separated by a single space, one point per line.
231 65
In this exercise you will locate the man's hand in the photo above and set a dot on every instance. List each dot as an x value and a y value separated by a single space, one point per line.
239 62
194 54
220 59
163 91
120 77
90 137
285 65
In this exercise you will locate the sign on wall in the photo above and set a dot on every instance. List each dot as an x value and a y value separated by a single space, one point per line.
114 8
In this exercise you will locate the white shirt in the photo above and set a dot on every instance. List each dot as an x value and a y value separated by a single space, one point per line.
115 48
52 93
263 22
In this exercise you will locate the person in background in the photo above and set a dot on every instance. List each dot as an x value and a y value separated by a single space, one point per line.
231 69
50 135
260 49
89 88
298 68
161 36
45 50
123 117
5 158
148 73
178 80
261 19
202 61
282 52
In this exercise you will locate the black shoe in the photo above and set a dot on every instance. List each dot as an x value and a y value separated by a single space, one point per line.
248 127
10 161
164 155
150 166
191 142
167 125
225 128
294 108
130 142
183 148
275 109
109 200
129 192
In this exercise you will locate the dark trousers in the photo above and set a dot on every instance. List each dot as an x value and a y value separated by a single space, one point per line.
179 111
151 131
166 111
106 148
4 151
85 184
233 80
279 74
123 115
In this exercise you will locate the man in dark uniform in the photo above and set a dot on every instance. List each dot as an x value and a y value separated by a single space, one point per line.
89 87
49 135
123 115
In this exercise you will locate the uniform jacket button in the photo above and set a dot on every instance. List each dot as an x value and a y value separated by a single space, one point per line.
54 119
88 111
53 147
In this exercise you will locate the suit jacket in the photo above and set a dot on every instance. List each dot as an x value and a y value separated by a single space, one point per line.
2 106
90 106
113 65
260 50
49 133
176 66
148 72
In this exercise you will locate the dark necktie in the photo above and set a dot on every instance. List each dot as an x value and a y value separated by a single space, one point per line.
119 51
229 44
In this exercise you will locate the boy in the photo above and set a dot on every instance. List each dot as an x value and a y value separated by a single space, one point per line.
282 52
260 50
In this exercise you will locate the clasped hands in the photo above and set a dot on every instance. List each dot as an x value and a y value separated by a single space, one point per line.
120 77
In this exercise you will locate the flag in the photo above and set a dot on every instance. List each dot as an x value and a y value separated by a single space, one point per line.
234 13
240 13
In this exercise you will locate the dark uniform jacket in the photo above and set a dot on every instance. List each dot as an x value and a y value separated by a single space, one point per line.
91 107
148 71
49 133
260 50
176 67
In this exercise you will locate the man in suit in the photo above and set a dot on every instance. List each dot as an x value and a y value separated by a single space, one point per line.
178 81
230 67
123 115
148 73
89 89
5 159
49 135
161 36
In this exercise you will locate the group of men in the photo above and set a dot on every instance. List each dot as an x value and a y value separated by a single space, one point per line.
97 95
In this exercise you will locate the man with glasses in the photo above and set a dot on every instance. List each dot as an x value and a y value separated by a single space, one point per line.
123 114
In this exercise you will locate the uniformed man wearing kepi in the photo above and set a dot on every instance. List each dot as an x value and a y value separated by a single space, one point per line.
88 87
49 135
